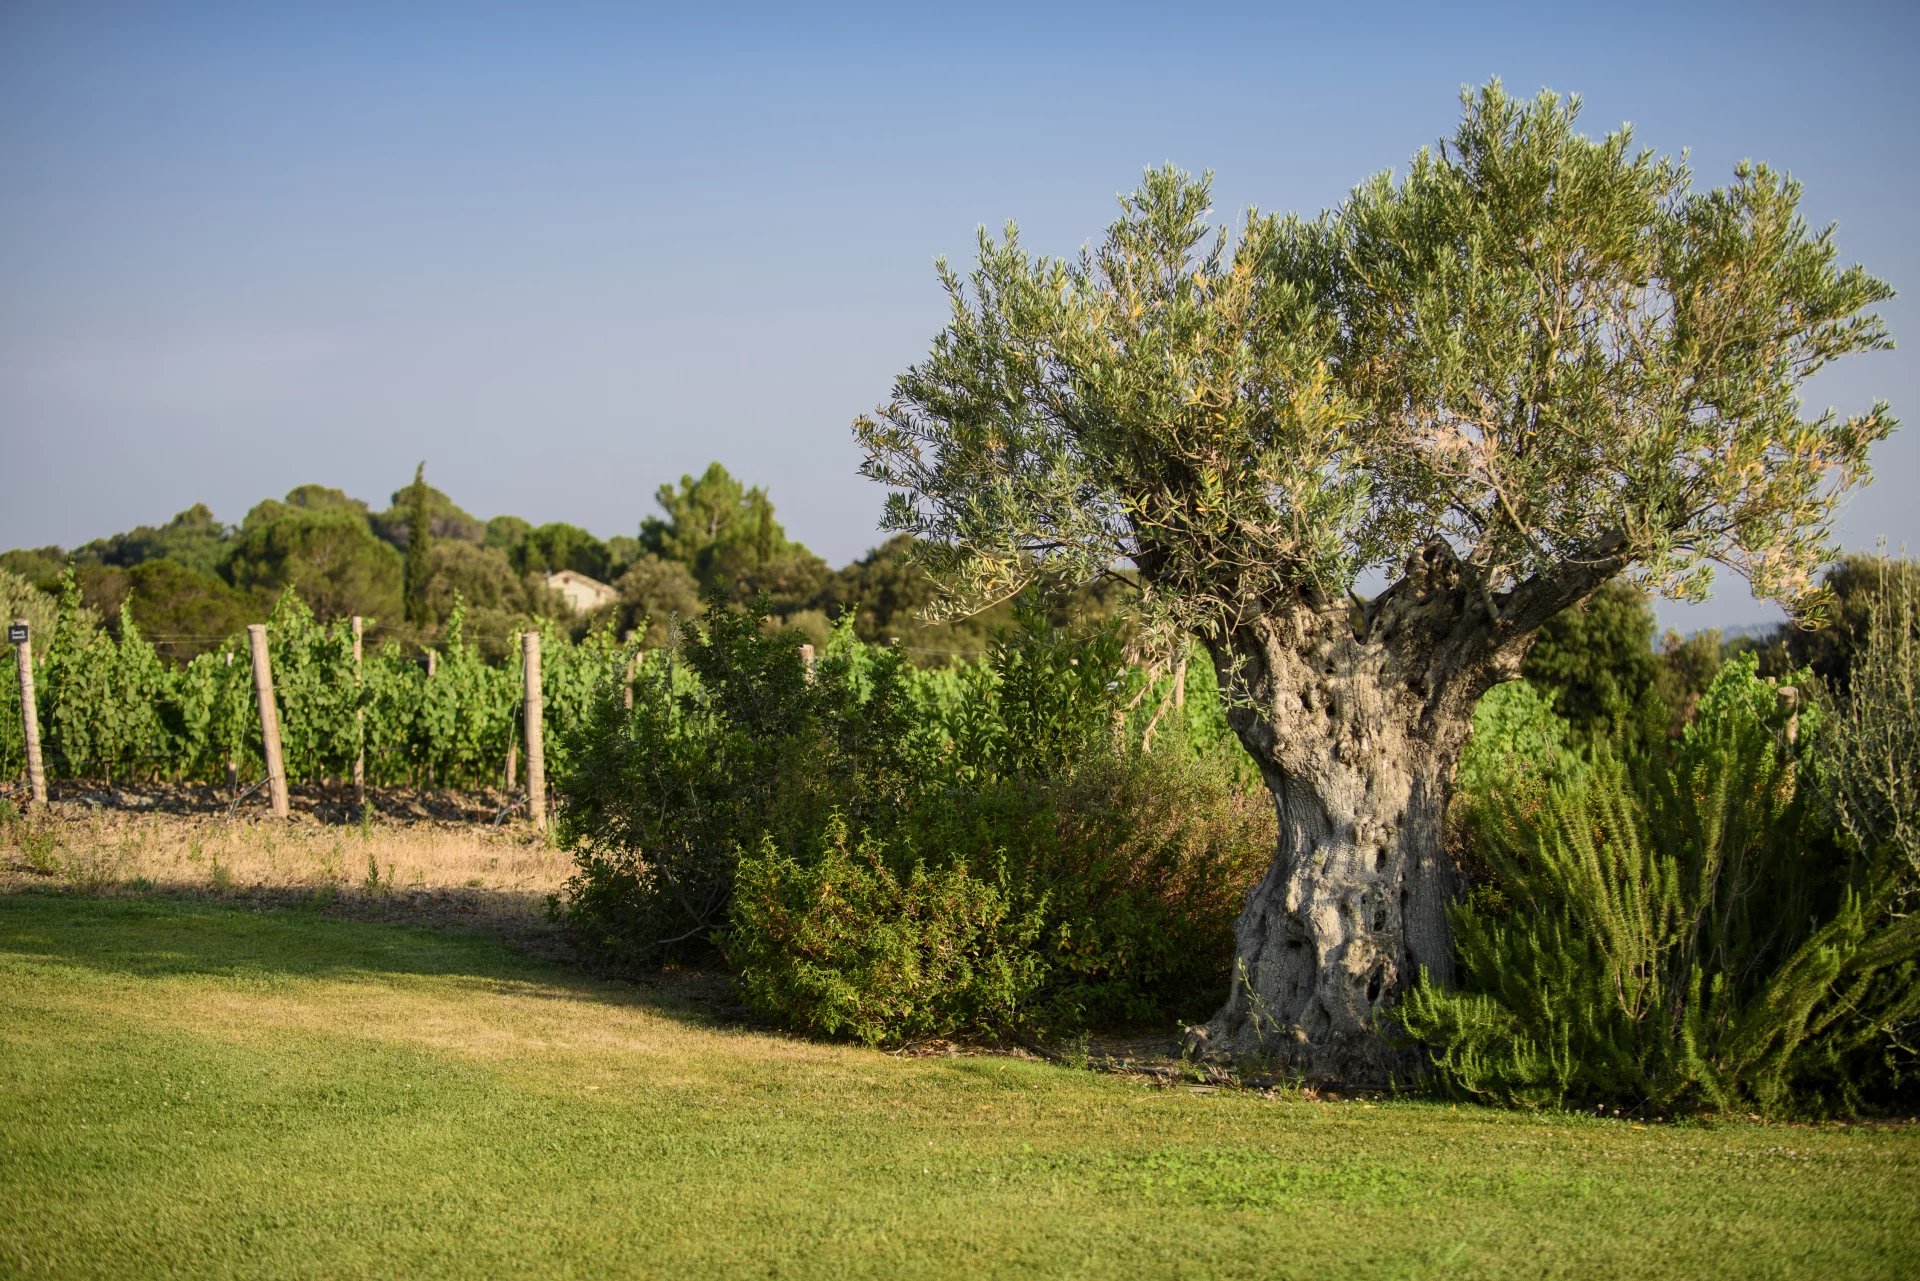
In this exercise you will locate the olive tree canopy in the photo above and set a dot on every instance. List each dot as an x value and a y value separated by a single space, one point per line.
1532 362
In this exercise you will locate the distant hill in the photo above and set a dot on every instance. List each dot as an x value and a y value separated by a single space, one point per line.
1739 631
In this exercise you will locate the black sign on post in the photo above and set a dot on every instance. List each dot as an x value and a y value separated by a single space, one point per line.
16 633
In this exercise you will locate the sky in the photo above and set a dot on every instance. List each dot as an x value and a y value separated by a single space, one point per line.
567 252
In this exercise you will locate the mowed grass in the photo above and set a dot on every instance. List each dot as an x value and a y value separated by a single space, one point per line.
195 1089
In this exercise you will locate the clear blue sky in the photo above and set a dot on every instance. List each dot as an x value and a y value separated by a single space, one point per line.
565 252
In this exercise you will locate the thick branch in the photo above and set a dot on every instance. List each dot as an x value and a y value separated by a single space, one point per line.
1561 585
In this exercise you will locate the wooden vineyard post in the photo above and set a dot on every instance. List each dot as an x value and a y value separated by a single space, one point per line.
536 766
269 719
433 666
22 637
513 758
633 666
359 724
806 662
233 766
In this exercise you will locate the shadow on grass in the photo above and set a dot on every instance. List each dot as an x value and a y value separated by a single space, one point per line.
254 942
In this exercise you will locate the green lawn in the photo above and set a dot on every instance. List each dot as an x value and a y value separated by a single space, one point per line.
197 1090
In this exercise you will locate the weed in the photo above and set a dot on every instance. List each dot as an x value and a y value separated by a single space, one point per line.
371 884
40 849
92 869
1075 1052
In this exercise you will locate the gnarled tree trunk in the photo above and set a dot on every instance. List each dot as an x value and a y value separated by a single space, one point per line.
1356 719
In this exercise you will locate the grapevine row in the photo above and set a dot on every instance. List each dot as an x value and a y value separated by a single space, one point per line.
110 708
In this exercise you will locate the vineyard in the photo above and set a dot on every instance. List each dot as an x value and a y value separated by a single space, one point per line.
110 707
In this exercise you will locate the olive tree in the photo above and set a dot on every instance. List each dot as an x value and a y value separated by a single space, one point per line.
1534 362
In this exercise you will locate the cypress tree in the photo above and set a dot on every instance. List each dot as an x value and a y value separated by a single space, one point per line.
419 545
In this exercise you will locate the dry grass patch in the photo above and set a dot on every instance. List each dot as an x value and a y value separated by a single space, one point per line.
498 879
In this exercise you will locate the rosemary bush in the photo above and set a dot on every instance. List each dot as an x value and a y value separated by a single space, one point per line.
1676 930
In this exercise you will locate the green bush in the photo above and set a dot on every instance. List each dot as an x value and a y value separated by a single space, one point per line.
1873 740
1871 754
1140 863
726 799
840 944
727 746
1126 874
1673 931
1519 746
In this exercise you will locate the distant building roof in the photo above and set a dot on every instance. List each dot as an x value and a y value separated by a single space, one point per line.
583 595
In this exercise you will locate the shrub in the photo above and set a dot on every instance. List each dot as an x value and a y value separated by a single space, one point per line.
1519 746
1871 750
839 944
1059 696
1141 862
1124 878
717 756
1873 740
1017 785
1680 935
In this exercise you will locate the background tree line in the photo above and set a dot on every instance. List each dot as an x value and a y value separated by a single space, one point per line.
194 581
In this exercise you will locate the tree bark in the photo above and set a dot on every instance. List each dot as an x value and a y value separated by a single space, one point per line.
1356 717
